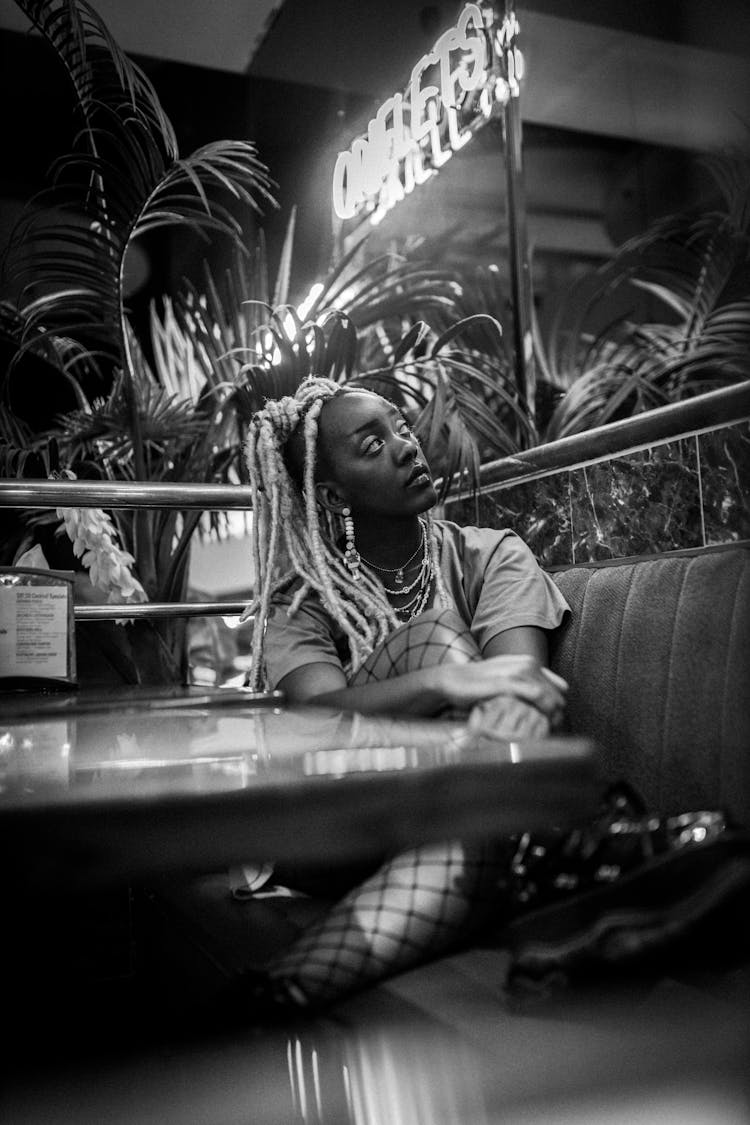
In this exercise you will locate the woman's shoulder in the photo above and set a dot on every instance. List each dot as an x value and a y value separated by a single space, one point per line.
468 539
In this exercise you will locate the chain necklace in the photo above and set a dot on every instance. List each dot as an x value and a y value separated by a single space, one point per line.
422 587
398 571
425 567
414 607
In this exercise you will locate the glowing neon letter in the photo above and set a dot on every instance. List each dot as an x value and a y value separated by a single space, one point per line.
475 45
419 97
343 196
389 160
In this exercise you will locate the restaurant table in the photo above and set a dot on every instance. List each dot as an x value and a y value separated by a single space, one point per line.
97 787
99 791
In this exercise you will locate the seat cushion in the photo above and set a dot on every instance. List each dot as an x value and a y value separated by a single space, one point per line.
657 655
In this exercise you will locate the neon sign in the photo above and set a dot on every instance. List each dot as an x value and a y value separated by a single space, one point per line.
452 91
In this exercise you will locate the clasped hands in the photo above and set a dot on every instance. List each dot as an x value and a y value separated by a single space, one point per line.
511 696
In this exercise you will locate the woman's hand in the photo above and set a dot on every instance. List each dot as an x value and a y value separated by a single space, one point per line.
520 676
507 717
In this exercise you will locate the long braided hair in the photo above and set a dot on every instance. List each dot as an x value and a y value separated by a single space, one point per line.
292 537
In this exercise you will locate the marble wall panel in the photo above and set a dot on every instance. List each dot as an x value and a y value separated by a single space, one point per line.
725 483
682 494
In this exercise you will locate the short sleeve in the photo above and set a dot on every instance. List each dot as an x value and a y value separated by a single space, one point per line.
506 586
291 642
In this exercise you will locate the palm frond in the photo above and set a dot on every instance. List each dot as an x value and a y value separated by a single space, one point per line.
22 453
100 72
695 268
123 179
67 254
598 395
16 439
731 174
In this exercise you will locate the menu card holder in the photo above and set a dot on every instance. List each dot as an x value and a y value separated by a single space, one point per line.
37 639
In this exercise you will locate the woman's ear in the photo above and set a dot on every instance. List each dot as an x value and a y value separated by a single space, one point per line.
329 497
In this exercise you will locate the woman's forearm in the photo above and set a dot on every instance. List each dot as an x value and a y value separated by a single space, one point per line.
413 693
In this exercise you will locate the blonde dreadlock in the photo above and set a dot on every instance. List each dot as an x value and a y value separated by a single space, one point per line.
287 520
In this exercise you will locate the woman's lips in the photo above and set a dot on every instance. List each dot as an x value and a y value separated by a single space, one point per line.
419 479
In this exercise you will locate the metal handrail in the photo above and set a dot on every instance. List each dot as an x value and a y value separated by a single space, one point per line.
124 494
678 420
153 610
674 422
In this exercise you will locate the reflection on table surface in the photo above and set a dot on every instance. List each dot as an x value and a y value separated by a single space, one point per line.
135 745
99 789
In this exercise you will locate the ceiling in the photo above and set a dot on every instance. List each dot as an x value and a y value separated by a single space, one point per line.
611 85
603 67
221 34
581 74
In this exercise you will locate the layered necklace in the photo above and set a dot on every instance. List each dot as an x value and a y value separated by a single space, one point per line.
420 588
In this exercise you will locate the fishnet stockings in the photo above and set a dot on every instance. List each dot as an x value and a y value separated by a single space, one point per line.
438 636
415 907
418 904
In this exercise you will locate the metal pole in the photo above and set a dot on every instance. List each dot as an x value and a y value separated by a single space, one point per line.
124 494
520 274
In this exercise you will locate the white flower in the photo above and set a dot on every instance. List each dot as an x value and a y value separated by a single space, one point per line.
94 540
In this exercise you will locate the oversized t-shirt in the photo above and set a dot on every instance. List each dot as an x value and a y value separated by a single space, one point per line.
492 578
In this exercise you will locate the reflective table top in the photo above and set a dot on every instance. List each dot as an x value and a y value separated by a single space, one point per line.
97 789
253 777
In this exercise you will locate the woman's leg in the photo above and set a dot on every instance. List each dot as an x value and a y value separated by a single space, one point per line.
439 636
417 905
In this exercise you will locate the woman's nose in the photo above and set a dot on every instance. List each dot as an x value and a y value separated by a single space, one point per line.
407 447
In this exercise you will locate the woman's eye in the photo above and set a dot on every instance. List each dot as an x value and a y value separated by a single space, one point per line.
372 445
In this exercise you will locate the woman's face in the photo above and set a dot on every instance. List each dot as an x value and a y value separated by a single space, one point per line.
375 461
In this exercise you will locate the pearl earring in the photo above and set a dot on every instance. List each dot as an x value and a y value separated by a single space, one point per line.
351 554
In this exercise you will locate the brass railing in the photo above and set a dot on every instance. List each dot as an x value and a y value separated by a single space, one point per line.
686 419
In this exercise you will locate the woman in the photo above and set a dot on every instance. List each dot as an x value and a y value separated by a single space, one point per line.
367 603
342 489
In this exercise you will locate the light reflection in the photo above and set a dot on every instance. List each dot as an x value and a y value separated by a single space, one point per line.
233 621
348 1090
365 759
290 1069
316 1084
378 1078
207 749
301 1092
304 307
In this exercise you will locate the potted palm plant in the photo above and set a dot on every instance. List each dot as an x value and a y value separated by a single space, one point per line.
694 334
67 259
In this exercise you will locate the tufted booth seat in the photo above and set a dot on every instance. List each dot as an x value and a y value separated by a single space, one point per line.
657 655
